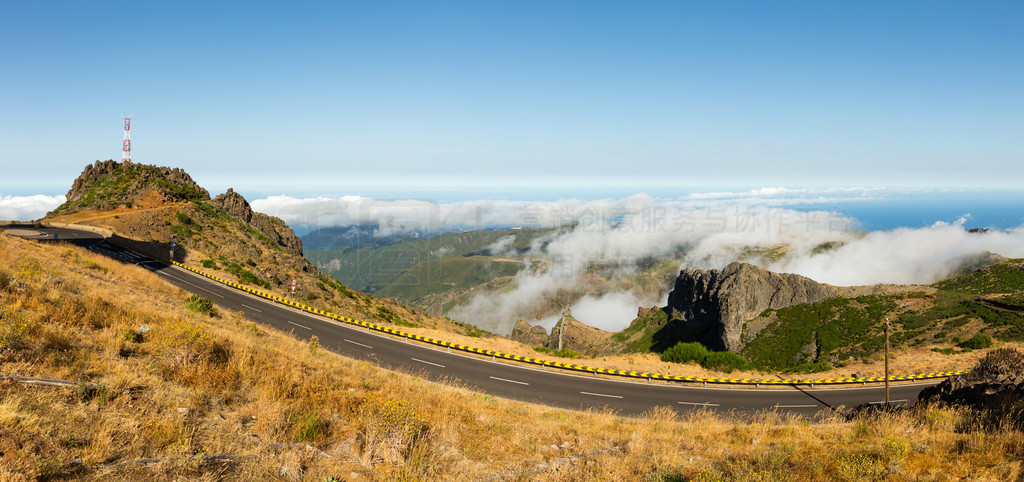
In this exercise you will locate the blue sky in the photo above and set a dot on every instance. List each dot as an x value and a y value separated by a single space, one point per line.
498 97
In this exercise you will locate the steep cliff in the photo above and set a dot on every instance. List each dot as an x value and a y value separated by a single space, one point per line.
722 301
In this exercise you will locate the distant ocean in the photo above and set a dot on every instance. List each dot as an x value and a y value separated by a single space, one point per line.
982 209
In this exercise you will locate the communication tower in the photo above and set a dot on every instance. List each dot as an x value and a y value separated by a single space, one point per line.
126 150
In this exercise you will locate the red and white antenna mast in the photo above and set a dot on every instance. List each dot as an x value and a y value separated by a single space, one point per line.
126 150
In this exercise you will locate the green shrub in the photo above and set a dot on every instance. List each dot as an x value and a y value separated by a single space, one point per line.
200 304
307 428
977 342
246 277
685 352
386 314
184 219
566 353
563 353
818 366
725 361
945 351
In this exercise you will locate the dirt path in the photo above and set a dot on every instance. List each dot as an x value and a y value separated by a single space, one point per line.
91 215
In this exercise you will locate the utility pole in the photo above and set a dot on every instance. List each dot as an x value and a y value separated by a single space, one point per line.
887 363
561 329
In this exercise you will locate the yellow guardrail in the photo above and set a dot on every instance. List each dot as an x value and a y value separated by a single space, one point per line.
572 367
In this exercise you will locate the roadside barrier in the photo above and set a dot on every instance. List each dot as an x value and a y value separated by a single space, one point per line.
571 367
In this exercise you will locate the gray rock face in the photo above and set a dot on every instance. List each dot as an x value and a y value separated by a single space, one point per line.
529 335
723 300
272 227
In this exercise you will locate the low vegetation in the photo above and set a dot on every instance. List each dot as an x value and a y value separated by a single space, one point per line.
723 361
200 304
972 312
1006 277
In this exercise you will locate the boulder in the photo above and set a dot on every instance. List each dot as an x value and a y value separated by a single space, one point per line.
529 335
994 388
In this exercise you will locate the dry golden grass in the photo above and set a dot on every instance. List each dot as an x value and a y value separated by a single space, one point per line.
195 387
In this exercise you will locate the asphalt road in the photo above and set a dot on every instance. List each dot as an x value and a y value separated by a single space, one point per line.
500 379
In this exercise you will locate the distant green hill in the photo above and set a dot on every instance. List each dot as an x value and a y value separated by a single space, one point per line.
446 274
413 268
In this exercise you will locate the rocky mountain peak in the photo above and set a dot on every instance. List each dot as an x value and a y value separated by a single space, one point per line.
110 184
270 226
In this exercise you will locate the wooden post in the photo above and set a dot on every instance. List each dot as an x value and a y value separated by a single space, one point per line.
887 363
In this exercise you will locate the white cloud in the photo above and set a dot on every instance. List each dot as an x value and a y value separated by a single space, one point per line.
705 230
781 196
904 256
27 208
607 312
709 237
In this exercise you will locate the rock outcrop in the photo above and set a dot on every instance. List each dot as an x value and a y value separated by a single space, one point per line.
272 227
529 335
723 300
994 388
570 333
110 184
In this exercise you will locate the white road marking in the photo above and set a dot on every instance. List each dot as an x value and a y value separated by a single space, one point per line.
794 406
428 363
509 381
700 404
357 343
211 292
600 394
251 308
883 401
193 284
300 326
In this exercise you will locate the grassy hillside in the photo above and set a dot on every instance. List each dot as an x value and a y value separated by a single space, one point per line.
168 392
832 332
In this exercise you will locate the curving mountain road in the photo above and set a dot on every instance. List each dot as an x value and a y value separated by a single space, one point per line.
513 381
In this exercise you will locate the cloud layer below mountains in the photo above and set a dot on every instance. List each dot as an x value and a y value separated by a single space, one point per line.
704 230
26 208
